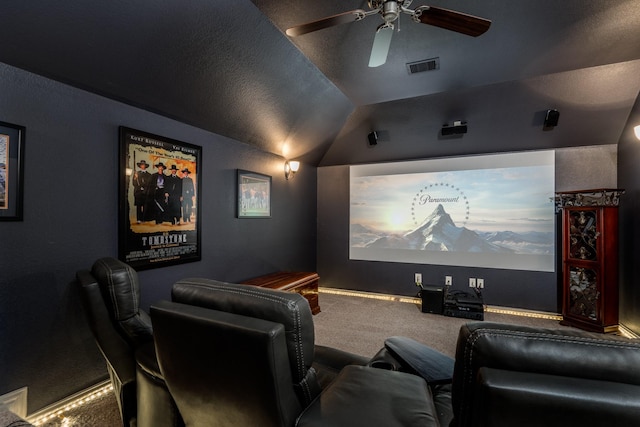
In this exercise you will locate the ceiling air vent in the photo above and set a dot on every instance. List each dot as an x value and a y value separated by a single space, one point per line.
424 65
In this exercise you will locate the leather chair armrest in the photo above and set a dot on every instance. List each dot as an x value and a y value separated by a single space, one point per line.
556 353
563 352
113 347
362 397
507 398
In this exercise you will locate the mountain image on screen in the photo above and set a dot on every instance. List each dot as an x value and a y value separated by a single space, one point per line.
438 232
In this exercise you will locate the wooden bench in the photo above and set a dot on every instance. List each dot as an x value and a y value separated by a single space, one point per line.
304 283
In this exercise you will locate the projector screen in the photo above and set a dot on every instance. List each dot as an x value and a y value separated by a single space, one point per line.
491 211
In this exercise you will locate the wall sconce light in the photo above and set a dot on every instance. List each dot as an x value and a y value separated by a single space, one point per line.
636 130
290 168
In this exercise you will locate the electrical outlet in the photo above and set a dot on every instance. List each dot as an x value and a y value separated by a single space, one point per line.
418 278
472 282
480 283
448 280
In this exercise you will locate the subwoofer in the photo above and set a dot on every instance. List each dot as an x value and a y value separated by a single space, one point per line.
432 299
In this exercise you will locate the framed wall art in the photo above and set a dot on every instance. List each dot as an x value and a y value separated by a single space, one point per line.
254 195
159 200
11 171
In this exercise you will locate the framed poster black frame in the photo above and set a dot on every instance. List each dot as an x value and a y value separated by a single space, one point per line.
159 213
12 140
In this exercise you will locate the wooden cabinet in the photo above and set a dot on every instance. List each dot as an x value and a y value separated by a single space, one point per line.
590 258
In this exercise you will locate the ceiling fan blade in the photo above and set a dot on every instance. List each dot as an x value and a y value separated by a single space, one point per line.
330 21
454 21
381 44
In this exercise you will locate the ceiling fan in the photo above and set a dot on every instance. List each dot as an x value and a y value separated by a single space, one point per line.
390 10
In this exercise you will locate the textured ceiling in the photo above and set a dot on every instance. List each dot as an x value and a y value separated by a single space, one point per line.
226 66
526 39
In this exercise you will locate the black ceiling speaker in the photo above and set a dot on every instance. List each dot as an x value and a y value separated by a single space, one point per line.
551 118
457 128
373 138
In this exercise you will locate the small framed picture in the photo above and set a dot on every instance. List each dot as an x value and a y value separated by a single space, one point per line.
11 171
254 195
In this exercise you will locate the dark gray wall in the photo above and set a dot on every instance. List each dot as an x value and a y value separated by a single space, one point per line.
629 179
502 117
576 168
70 219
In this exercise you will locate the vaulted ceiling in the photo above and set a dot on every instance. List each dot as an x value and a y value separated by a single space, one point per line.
227 66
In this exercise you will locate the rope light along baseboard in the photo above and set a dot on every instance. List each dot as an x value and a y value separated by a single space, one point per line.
59 410
413 300
370 295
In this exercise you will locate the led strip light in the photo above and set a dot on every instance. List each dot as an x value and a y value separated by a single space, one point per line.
622 330
58 410
413 300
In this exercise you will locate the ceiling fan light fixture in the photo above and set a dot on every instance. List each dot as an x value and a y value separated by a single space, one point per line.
390 11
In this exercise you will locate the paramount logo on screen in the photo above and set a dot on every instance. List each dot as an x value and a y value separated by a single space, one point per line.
440 193
426 198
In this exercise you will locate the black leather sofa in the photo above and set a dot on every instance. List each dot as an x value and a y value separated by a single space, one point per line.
508 375
237 355
230 355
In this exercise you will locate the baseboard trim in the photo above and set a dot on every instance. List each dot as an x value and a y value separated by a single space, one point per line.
626 332
15 401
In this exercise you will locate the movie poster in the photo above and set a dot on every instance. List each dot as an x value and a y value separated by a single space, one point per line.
159 200
4 161
11 171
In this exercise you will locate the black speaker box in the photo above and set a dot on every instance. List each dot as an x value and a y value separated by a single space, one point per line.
432 299
373 138
454 130
551 118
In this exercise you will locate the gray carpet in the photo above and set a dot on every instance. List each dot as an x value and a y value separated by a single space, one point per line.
350 323
360 325
101 412
9 419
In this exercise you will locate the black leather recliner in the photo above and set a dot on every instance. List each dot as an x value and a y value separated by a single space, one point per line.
123 332
508 375
237 355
